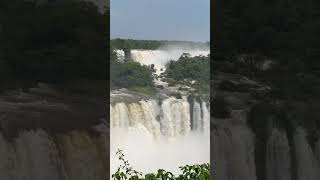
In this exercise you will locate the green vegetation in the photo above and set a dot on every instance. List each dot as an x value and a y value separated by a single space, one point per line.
131 75
190 68
56 42
134 76
194 172
153 44
193 68
284 31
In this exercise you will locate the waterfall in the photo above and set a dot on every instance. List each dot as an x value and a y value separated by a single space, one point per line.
233 146
170 119
220 153
233 153
206 117
149 129
159 57
120 55
36 155
196 119
171 128
175 115
136 115
278 161
307 164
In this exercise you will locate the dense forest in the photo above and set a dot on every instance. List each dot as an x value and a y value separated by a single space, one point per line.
187 69
133 75
154 44
284 32
55 42
130 74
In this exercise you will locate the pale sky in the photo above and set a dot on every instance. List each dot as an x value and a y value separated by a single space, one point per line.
160 19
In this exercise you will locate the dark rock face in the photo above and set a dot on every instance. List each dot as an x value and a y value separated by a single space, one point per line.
49 109
160 86
260 128
127 54
47 133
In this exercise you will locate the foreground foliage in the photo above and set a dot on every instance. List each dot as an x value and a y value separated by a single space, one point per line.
193 172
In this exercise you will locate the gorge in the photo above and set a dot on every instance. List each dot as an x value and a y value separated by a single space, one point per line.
161 125
258 133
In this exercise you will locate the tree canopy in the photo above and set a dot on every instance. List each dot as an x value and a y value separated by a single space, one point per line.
153 44
284 31
54 42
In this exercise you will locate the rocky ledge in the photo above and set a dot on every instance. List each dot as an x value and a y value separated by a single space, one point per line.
46 107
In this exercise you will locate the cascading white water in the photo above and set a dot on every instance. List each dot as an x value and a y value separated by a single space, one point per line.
171 119
137 116
206 117
233 153
151 129
35 155
175 117
196 121
220 153
233 145
307 164
278 160
34 152
159 58
317 151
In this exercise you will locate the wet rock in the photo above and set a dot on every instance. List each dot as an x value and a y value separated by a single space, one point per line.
160 86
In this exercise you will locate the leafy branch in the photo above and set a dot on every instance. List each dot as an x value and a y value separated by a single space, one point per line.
189 172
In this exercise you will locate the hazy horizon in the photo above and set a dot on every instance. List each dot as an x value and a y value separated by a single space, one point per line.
177 20
172 40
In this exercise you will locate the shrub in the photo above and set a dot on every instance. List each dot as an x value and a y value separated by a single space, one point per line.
130 74
193 172
195 68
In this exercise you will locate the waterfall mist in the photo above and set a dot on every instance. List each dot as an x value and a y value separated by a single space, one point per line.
155 136
147 155
160 57
160 134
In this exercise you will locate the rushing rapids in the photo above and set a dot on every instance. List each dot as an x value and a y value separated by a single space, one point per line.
160 57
